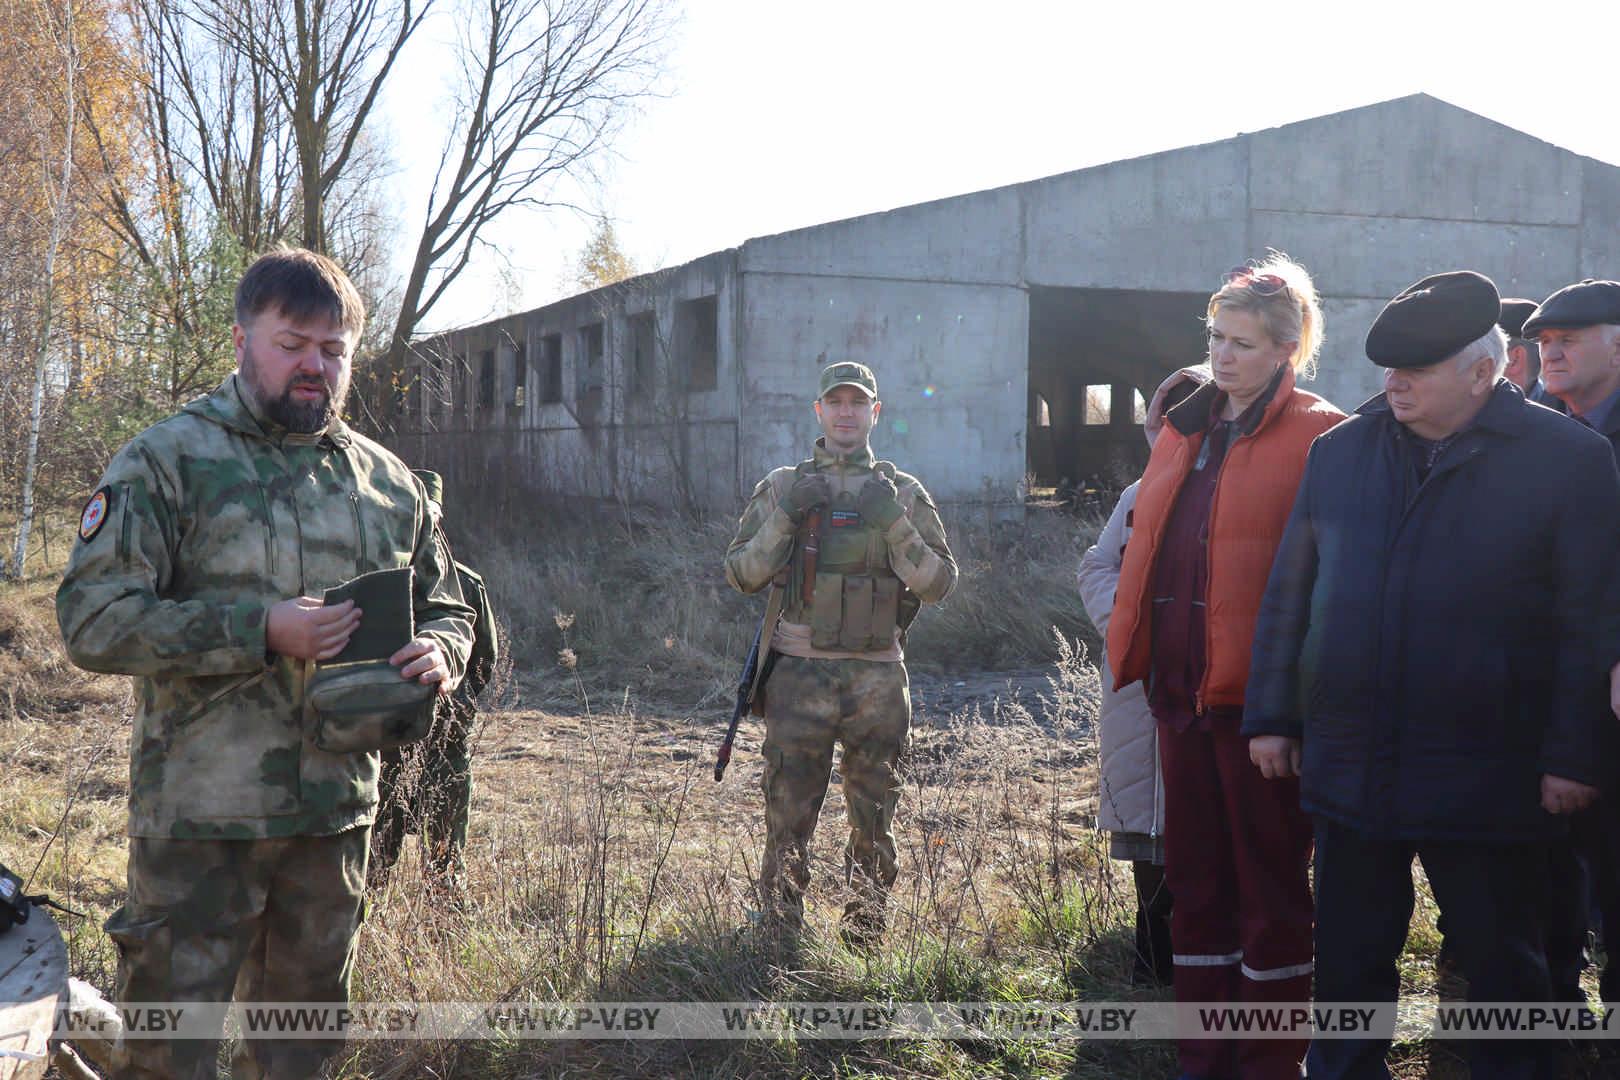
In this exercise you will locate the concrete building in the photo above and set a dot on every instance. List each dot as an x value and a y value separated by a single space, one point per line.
1011 329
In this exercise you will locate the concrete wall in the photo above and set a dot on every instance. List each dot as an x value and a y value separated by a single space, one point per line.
935 298
930 298
1368 200
611 435
951 367
1375 199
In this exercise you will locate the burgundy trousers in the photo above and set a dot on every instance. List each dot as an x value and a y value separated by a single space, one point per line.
1237 848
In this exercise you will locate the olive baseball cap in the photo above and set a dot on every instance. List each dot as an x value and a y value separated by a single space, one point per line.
847 373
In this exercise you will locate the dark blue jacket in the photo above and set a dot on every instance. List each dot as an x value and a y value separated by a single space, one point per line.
1437 646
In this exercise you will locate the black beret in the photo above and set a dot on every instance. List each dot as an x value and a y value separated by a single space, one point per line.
1586 303
1432 319
1514 312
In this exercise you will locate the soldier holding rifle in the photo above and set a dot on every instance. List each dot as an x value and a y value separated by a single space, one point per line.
850 548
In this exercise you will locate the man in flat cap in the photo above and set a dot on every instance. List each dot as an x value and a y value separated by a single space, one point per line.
1524 361
1427 642
850 547
1578 331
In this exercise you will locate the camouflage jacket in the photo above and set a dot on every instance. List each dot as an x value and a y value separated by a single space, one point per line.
485 645
918 553
202 522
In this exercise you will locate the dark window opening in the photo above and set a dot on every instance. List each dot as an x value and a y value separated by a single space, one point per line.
643 352
458 384
486 379
697 327
551 369
430 376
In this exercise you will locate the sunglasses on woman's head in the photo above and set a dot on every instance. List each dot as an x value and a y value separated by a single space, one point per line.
1245 277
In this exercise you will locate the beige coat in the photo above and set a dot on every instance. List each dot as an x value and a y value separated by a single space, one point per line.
1130 791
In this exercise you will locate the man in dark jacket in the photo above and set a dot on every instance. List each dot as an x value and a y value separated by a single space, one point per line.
1426 654
1524 362
1579 329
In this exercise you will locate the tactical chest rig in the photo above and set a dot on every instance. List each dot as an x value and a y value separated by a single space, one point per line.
839 580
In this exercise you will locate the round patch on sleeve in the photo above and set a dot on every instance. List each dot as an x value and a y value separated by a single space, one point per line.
95 514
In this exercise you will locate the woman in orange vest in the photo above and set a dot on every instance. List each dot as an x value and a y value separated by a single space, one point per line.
1209 516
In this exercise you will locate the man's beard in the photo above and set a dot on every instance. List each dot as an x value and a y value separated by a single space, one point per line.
299 417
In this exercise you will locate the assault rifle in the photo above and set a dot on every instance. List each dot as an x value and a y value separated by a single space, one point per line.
757 668
745 695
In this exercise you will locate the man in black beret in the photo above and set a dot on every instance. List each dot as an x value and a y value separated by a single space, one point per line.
1428 643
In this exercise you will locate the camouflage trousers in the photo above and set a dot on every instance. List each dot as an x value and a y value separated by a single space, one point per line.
810 705
271 920
436 800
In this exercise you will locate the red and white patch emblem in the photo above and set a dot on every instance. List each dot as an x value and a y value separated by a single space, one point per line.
95 514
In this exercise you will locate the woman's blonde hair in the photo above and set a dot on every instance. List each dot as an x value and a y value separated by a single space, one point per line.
1293 313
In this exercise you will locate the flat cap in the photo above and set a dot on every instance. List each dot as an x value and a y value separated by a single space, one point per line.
1514 312
433 482
1586 303
848 373
1432 319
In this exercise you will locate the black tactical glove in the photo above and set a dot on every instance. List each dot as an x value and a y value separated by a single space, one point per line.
809 490
878 504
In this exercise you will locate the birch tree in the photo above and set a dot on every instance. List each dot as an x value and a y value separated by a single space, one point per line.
59 31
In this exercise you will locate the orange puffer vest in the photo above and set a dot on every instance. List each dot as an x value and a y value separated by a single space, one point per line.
1253 497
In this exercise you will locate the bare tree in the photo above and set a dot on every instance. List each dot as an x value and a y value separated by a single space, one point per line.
327 61
214 121
544 85
253 116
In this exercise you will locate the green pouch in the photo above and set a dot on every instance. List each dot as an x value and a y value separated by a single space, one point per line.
827 611
885 611
856 632
361 704
364 706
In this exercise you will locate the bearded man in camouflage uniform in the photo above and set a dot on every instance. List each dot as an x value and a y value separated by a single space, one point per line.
855 547
199 571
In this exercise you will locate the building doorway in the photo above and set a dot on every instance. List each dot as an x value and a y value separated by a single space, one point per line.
1095 358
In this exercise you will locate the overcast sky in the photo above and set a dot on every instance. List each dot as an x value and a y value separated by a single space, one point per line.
782 115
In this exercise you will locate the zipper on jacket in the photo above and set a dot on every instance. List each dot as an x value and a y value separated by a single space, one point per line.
269 530
360 531
1209 574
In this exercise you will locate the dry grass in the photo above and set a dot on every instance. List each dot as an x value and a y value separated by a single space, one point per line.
653 612
604 863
